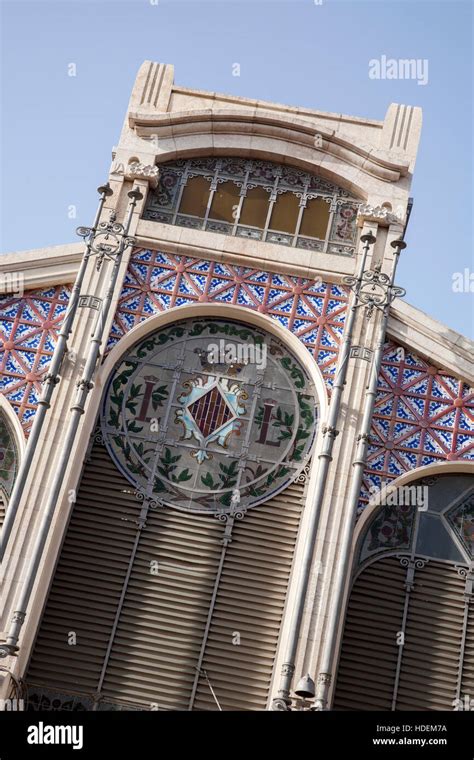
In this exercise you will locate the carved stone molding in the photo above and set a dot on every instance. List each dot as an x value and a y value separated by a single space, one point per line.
383 216
136 170
324 678
279 705
384 165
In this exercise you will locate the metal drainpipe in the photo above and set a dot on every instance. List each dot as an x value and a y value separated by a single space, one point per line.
84 386
336 614
226 540
282 701
51 379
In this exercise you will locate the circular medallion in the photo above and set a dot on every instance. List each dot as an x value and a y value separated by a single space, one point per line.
209 415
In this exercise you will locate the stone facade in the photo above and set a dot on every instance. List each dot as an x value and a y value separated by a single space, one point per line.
424 416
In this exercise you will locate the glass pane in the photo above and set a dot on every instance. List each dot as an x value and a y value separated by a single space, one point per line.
462 520
391 529
195 197
315 219
255 208
435 541
225 202
8 457
167 191
344 223
446 491
285 213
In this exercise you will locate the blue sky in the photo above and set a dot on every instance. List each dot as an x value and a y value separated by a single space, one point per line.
58 131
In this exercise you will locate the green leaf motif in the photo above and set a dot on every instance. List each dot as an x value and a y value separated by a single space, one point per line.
132 427
207 481
294 371
184 475
158 396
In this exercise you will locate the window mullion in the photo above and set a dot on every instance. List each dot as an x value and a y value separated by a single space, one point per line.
273 197
182 184
332 211
303 202
213 189
242 194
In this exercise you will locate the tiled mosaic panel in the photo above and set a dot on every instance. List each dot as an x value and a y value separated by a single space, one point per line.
29 328
156 282
422 415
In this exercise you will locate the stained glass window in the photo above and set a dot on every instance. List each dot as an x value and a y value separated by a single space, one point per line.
256 199
8 457
210 415
461 517
432 518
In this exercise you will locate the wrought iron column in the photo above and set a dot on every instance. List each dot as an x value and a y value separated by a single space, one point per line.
282 701
111 240
377 292
228 519
52 378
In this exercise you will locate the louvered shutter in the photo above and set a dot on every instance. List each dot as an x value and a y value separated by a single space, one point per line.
432 653
369 651
249 605
88 582
467 680
430 657
140 627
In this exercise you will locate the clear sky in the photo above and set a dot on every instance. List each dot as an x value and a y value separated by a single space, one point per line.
58 130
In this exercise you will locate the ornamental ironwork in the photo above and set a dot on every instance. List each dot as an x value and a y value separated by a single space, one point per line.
259 200
209 416
375 289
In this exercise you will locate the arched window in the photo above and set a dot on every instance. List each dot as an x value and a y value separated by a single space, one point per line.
408 637
181 542
234 409
8 464
256 199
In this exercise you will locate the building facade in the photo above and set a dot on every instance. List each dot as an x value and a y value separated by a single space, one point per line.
185 535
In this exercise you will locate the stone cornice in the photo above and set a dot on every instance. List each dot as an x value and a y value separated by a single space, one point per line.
268 105
42 267
382 164
444 347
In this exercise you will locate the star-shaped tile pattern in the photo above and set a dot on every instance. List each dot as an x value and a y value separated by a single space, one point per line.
422 415
29 328
313 311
